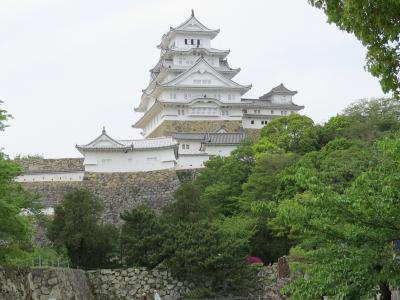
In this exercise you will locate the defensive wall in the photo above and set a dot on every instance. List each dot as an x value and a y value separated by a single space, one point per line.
117 191
107 284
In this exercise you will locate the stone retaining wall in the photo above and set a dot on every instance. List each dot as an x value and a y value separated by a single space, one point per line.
49 164
43 284
117 191
117 284
168 127
131 283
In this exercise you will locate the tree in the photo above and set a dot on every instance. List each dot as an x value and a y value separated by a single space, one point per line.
141 238
187 207
257 197
293 133
346 238
75 227
376 24
15 231
203 253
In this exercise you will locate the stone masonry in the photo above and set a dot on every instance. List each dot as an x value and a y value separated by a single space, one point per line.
117 191
168 127
44 284
116 284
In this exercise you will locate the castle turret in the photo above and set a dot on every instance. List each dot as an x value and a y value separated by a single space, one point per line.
190 84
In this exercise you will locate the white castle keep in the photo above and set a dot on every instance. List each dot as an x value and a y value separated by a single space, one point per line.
192 109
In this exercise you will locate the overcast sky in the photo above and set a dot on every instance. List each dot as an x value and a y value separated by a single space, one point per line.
69 67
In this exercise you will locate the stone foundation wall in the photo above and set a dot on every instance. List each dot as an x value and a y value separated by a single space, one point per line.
48 164
43 284
253 134
117 191
117 284
131 283
124 191
168 127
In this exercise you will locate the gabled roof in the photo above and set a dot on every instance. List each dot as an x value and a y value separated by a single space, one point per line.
106 143
191 25
278 90
201 66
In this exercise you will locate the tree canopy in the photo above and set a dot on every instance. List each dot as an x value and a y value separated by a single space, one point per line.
376 23
15 232
76 228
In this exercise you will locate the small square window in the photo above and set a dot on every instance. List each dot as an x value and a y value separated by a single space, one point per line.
252 122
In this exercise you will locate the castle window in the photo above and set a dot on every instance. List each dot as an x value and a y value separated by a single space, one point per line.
186 41
252 122
185 146
272 112
192 41
198 42
245 111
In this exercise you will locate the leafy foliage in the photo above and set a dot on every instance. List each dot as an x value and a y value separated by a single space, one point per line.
292 133
75 227
376 24
141 238
15 231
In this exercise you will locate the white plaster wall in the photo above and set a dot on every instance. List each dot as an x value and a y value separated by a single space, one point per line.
132 161
179 41
246 122
194 147
56 176
221 150
191 161
281 99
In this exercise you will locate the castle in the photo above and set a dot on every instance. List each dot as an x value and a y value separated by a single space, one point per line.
192 110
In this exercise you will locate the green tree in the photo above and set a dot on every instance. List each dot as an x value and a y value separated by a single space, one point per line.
141 238
187 207
257 199
220 183
376 24
204 253
293 133
346 238
75 227
15 233
364 120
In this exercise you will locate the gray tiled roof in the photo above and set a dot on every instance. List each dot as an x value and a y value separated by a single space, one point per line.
254 103
280 89
212 138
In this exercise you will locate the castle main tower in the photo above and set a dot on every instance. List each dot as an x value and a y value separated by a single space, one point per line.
191 87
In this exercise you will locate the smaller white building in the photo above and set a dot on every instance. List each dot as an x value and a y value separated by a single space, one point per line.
197 148
179 151
105 154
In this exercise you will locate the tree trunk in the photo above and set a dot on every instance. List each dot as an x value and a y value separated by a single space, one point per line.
384 289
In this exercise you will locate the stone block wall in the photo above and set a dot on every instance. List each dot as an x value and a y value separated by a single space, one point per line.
50 193
44 284
124 191
116 284
117 191
168 127
131 283
48 164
